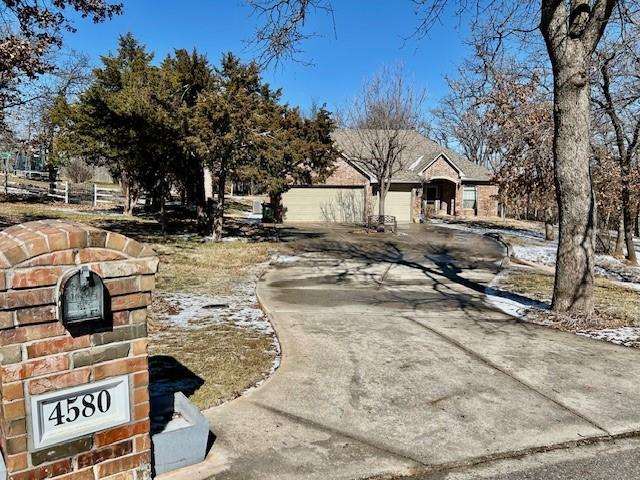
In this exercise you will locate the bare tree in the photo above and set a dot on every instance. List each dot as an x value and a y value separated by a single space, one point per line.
460 118
280 35
30 30
384 122
571 30
522 114
617 98
49 103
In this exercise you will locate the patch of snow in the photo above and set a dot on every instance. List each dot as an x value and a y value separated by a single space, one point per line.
510 303
522 233
235 239
532 247
626 336
240 309
280 258
200 311
252 217
542 254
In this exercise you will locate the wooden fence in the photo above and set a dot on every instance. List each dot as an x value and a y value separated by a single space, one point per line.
106 195
61 193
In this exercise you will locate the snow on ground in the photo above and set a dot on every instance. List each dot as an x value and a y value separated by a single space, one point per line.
280 258
197 311
510 303
529 245
626 336
522 233
521 307
543 254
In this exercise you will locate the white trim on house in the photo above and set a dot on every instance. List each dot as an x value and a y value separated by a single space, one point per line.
449 179
449 161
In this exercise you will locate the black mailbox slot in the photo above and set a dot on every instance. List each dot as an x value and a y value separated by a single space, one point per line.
82 299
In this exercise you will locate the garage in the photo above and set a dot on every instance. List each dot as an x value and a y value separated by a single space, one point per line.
324 204
397 203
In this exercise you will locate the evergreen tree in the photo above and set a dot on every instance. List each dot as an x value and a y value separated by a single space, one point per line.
224 125
125 120
293 150
188 75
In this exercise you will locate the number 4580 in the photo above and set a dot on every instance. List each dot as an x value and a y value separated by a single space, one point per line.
85 408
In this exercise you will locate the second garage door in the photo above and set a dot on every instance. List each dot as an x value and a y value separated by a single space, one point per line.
398 204
323 204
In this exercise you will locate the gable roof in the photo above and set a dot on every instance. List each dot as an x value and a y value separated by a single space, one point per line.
419 154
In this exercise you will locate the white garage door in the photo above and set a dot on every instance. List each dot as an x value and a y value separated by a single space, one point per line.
321 204
397 204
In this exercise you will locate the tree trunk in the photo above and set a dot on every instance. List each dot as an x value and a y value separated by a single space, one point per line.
130 196
163 213
52 178
218 211
618 251
606 231
627 216
203 220
549 234
381 198
275 199
637 221
573 289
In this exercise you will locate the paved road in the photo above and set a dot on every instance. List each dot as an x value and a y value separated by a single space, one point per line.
393 364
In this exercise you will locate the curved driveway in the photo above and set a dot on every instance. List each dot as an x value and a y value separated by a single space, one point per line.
393 363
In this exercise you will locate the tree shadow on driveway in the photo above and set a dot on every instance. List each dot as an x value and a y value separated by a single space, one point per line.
447 268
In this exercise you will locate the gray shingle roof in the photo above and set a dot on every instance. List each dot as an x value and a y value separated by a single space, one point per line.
418 154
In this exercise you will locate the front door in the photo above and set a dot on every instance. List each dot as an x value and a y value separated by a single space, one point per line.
431 203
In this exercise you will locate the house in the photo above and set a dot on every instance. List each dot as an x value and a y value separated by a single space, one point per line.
432 180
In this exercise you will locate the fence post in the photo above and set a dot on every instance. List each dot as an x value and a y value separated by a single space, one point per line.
95 195
66 192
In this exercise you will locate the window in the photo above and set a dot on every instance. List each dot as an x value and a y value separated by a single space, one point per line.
469 196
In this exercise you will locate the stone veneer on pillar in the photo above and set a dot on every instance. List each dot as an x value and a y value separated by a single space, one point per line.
40 356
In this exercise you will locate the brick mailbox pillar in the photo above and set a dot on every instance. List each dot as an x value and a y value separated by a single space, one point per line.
73 349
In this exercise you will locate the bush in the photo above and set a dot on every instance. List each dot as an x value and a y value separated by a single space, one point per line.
78 171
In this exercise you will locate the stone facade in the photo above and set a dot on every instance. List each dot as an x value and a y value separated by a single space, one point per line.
39 355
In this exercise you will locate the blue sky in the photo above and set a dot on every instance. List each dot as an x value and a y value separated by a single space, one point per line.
369 34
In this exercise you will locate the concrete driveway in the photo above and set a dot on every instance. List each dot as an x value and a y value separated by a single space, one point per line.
393 364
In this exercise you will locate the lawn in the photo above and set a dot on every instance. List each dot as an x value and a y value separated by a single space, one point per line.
616 306
226 355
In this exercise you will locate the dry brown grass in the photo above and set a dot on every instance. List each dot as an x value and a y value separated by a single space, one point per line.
12 212
208 268
227 358
498 222
616 306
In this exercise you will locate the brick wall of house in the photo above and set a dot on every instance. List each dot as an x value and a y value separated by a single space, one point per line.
487 200
416 204
441 168
346 175
39 355
487 204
